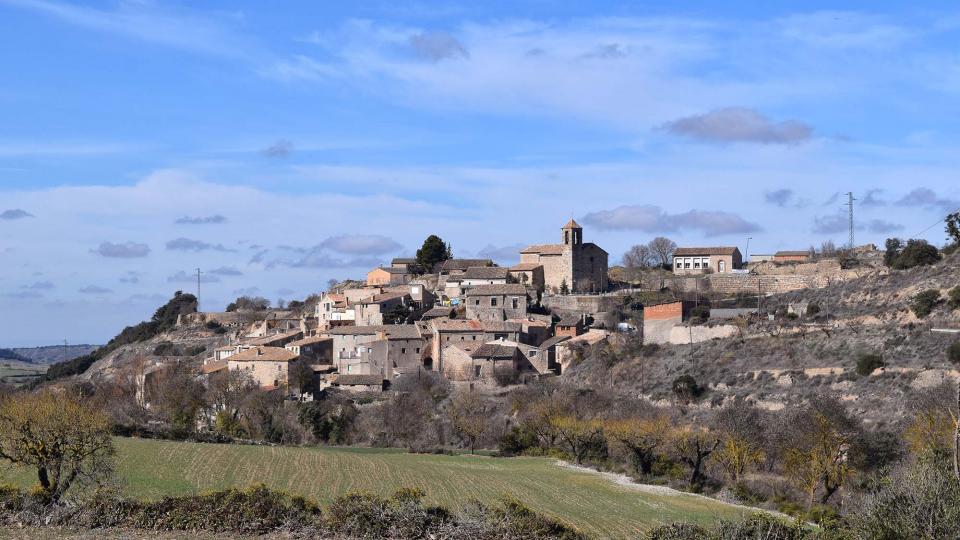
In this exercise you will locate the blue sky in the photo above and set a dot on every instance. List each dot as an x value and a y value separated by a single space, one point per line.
279 147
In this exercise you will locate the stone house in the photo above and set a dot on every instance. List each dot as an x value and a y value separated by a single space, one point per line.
569 325
791 256
465 334
377 349
484 275
386 276
530 274
458 267
581 266
371 311
497 302
568 350
705 260
314 349
269 366
359 382
481 363
403 262
544 358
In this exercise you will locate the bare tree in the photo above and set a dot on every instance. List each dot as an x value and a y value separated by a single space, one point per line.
639 257
468 416
663 248
59 437
301 378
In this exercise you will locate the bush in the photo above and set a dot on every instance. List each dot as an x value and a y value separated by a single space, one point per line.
924 302
702 313
215 327
686 388
953 352
953 298
915 253
679 531
866 363
813 308
516 441
359 515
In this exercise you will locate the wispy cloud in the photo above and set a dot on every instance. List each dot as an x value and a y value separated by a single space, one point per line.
280 149
437 46
927 198
184 277
39 286
360 244
653 219
125 250
739 124
225 271
188 244
15 213
201 220
94 289
150 22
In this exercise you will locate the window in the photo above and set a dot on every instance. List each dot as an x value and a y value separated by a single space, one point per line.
686 262
349 368
476 302
532 352
474 338
705 262
516 303
722 266
696 263
476 370
493 301
403 350
418 350
679 263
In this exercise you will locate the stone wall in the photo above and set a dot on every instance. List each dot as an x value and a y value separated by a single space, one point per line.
682 334
602 308
746 283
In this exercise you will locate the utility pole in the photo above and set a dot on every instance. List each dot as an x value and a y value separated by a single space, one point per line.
746 255
198 289
65 351
850 200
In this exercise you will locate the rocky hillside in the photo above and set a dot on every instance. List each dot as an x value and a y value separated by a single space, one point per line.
782 362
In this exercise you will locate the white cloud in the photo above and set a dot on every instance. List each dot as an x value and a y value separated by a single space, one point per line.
188 244
94 289
360 244
215 219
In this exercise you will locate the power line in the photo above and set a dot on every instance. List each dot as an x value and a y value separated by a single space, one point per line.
937 223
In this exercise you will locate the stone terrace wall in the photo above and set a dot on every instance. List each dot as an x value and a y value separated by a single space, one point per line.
748 283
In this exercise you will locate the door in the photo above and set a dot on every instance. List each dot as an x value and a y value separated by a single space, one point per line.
722 266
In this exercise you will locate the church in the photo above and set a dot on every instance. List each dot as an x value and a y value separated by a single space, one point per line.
583 267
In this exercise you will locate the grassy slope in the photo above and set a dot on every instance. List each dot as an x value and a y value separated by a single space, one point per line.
15 372
593 504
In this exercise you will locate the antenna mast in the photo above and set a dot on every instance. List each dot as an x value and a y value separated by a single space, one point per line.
198 289
850 200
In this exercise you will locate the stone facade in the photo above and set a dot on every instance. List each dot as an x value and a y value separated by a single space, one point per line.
583 267
496 302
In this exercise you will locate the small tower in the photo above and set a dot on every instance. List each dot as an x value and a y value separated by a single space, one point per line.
572 234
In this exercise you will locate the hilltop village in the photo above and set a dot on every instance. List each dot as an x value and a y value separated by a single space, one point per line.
478 324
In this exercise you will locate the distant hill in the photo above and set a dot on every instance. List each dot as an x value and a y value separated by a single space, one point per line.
47 355
7 354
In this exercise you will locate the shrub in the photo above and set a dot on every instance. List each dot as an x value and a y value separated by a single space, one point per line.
813 308
953 298
866 363
215 327
359 515
516 441
924 302
953 352
915 253
686 388
679 531
700 312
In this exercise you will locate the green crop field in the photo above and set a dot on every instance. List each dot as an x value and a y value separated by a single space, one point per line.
16 373
590 502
